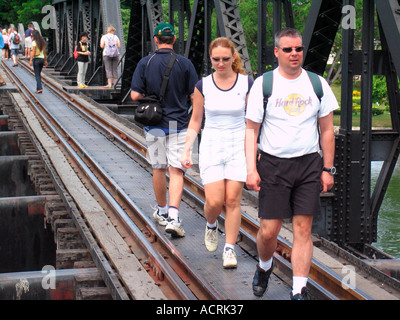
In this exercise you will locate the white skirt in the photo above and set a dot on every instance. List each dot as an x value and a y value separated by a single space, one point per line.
222 156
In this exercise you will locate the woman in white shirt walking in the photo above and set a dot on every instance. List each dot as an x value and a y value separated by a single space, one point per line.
222 97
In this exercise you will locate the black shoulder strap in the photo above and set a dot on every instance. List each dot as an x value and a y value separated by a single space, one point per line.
166 75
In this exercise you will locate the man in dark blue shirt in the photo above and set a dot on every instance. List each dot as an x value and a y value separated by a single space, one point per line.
166 141
28 41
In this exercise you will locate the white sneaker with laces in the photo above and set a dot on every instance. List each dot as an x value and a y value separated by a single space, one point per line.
211 238
229 259
161 219
174 228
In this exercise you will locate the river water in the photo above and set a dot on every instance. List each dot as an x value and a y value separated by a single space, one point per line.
388 239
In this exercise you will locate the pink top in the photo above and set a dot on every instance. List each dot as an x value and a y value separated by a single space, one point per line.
6 39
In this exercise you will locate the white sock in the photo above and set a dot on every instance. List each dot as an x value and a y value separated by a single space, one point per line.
211 225
163 210
265 265
173 213
298 284
229 246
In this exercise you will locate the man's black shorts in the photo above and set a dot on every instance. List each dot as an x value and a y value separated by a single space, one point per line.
289 186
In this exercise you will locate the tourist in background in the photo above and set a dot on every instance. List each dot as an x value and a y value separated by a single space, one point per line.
9 43
83 50
6 47
110 44
38 58
15 42
28 41
2 82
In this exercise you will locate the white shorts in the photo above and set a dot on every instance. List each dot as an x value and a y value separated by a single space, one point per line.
163 150
222 157
28 43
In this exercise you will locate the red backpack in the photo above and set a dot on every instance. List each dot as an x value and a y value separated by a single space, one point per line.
16 39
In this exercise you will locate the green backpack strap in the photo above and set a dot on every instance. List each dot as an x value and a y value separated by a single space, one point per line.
267 91
317 85
267 87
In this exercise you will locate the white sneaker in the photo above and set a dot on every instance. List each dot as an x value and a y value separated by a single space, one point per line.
211 238
229 259
161 219
174 228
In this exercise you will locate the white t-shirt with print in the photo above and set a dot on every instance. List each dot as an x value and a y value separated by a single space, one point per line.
290 127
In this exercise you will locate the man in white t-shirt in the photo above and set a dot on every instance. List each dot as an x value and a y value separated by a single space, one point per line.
290 172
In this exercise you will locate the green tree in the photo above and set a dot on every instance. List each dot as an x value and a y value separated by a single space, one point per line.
14 12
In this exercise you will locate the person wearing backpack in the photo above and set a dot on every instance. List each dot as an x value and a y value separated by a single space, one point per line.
289 173
15 41
110 44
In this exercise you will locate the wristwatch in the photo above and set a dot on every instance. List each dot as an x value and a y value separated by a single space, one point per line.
332 170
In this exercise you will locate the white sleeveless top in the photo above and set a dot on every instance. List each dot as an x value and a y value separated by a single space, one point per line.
222 153
225 109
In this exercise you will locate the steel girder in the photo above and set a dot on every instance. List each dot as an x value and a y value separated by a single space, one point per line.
265 52
353 219
199 33
135 48
230 25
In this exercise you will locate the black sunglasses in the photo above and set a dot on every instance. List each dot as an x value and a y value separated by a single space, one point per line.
226 59
289 50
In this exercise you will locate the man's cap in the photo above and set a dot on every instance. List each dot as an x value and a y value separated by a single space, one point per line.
164 29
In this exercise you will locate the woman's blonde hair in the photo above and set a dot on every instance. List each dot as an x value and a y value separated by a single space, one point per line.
110 29
237 65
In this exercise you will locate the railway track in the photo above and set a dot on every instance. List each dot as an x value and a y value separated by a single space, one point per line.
170 270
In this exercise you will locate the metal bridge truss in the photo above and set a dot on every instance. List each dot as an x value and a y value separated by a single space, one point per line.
74 17
350 213
146 14
355 208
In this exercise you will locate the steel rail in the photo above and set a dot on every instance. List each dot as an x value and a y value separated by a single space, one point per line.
326 282
169 267
117 291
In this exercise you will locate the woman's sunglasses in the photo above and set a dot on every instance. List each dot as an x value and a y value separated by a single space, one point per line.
289 50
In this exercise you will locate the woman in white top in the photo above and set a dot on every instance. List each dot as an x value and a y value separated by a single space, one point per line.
110 43
222 97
